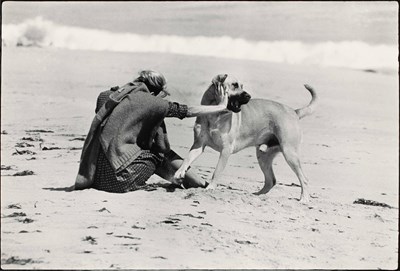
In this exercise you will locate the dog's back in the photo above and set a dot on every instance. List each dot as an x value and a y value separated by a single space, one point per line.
255 124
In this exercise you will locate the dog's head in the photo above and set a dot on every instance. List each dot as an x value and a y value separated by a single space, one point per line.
229 85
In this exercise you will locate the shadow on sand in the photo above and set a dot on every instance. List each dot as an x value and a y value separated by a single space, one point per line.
149 187
65 189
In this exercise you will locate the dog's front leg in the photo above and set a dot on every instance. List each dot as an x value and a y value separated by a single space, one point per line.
222 161
193 154
195 151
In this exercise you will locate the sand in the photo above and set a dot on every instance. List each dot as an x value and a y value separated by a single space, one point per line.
349 151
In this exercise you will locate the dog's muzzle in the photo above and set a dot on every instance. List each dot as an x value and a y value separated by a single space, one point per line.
236 101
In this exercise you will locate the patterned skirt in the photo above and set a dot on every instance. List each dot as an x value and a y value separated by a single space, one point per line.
132 178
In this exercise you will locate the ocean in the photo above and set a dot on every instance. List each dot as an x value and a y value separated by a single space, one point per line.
357 35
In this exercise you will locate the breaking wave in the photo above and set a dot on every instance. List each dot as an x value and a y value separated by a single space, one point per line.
350 54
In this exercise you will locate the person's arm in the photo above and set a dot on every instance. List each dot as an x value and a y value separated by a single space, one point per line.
187 111
194 111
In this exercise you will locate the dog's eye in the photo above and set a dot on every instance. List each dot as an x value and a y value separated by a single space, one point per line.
235 85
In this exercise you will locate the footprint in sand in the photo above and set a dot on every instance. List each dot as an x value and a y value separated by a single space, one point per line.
208 249
190 215
92 227
138 227
245 242
90 239
189 195
103 210
376 217
127 237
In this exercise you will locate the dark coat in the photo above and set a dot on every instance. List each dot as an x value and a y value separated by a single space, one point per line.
127 123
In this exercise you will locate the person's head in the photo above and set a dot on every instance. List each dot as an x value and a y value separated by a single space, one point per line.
155 82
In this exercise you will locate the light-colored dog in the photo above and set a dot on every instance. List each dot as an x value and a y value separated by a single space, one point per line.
270 126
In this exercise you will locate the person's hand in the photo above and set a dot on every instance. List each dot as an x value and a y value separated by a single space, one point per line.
179 175
177 182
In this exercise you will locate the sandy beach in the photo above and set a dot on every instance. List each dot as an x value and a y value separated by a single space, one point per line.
349 152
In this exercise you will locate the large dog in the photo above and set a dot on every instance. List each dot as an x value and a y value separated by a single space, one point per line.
270 126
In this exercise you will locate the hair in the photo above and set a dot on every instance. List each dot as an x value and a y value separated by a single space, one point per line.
154 81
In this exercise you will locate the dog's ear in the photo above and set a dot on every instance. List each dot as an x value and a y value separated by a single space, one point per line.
219 79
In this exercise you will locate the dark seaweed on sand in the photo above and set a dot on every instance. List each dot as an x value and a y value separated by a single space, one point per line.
50 148
23 145
16 260
26 220
77 139
90 239
21 152
32 139
24 173
39 131
371 202
16 214
14 206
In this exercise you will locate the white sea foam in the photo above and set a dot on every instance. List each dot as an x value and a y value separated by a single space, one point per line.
350 54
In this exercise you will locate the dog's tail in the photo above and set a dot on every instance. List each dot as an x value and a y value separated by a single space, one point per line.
309 109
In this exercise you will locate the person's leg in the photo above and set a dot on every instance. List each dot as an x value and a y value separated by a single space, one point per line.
170 165
135 175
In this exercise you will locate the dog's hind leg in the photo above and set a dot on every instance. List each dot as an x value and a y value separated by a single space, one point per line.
265 156
291 155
